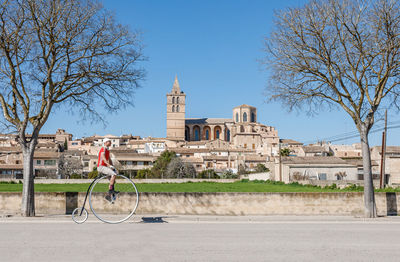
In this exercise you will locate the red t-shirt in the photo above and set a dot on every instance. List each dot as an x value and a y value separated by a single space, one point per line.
107 155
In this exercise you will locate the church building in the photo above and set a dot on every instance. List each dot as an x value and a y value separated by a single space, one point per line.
240 131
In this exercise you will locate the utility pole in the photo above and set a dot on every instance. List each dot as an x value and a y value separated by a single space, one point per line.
384 135
280 162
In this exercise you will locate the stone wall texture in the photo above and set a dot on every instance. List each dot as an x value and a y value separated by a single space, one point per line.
350 204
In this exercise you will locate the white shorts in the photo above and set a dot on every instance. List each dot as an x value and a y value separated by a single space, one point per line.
106 171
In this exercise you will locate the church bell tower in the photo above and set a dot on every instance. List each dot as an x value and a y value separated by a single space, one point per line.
176 112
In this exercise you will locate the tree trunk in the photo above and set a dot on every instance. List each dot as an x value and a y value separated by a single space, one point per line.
28 194
369 195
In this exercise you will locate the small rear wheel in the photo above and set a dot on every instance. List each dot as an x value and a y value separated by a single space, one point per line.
79 215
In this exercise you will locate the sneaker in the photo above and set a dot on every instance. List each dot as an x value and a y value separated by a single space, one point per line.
113 195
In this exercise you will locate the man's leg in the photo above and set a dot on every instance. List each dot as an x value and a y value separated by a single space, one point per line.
112 182
112 174
109 172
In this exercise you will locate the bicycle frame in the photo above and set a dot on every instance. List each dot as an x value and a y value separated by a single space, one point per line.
87 192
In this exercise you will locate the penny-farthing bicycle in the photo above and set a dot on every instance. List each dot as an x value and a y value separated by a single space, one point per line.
121 207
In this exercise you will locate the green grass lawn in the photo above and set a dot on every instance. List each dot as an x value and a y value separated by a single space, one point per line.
240 186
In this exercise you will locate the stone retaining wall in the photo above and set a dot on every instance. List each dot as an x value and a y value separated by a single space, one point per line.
218 203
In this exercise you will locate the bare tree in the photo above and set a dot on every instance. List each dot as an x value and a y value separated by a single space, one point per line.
68 165
179 169
341 175
298 176
61 54
338 53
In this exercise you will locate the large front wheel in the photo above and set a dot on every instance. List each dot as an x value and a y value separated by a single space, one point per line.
115 208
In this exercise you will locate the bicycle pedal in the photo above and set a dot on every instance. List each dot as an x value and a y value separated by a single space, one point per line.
108 198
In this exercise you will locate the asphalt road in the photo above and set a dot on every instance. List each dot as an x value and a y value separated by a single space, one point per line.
199 238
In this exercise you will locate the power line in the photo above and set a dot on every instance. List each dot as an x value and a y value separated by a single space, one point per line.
354 134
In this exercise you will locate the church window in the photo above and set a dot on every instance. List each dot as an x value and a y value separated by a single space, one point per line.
177 100
173 108
173 100
177 108
237 117
244 117
253 117
187 134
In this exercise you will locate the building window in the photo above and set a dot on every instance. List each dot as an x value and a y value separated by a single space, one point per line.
217 134
173 108
237 117
177 100
50 162
228 135
196 135
245 145
38 162
254 146
207 134
173 100
177 108
244 117
322 176
253 117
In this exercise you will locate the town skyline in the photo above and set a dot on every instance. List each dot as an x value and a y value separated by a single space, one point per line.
350 135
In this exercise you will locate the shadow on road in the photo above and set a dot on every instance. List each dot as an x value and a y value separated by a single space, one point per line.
153 220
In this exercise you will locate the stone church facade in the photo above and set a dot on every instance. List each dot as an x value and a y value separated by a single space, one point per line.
242 131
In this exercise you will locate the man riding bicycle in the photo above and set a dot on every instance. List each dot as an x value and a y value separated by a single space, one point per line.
105 166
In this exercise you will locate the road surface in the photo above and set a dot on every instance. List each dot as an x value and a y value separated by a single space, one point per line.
201 238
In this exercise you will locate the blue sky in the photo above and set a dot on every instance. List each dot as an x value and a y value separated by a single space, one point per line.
213 48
